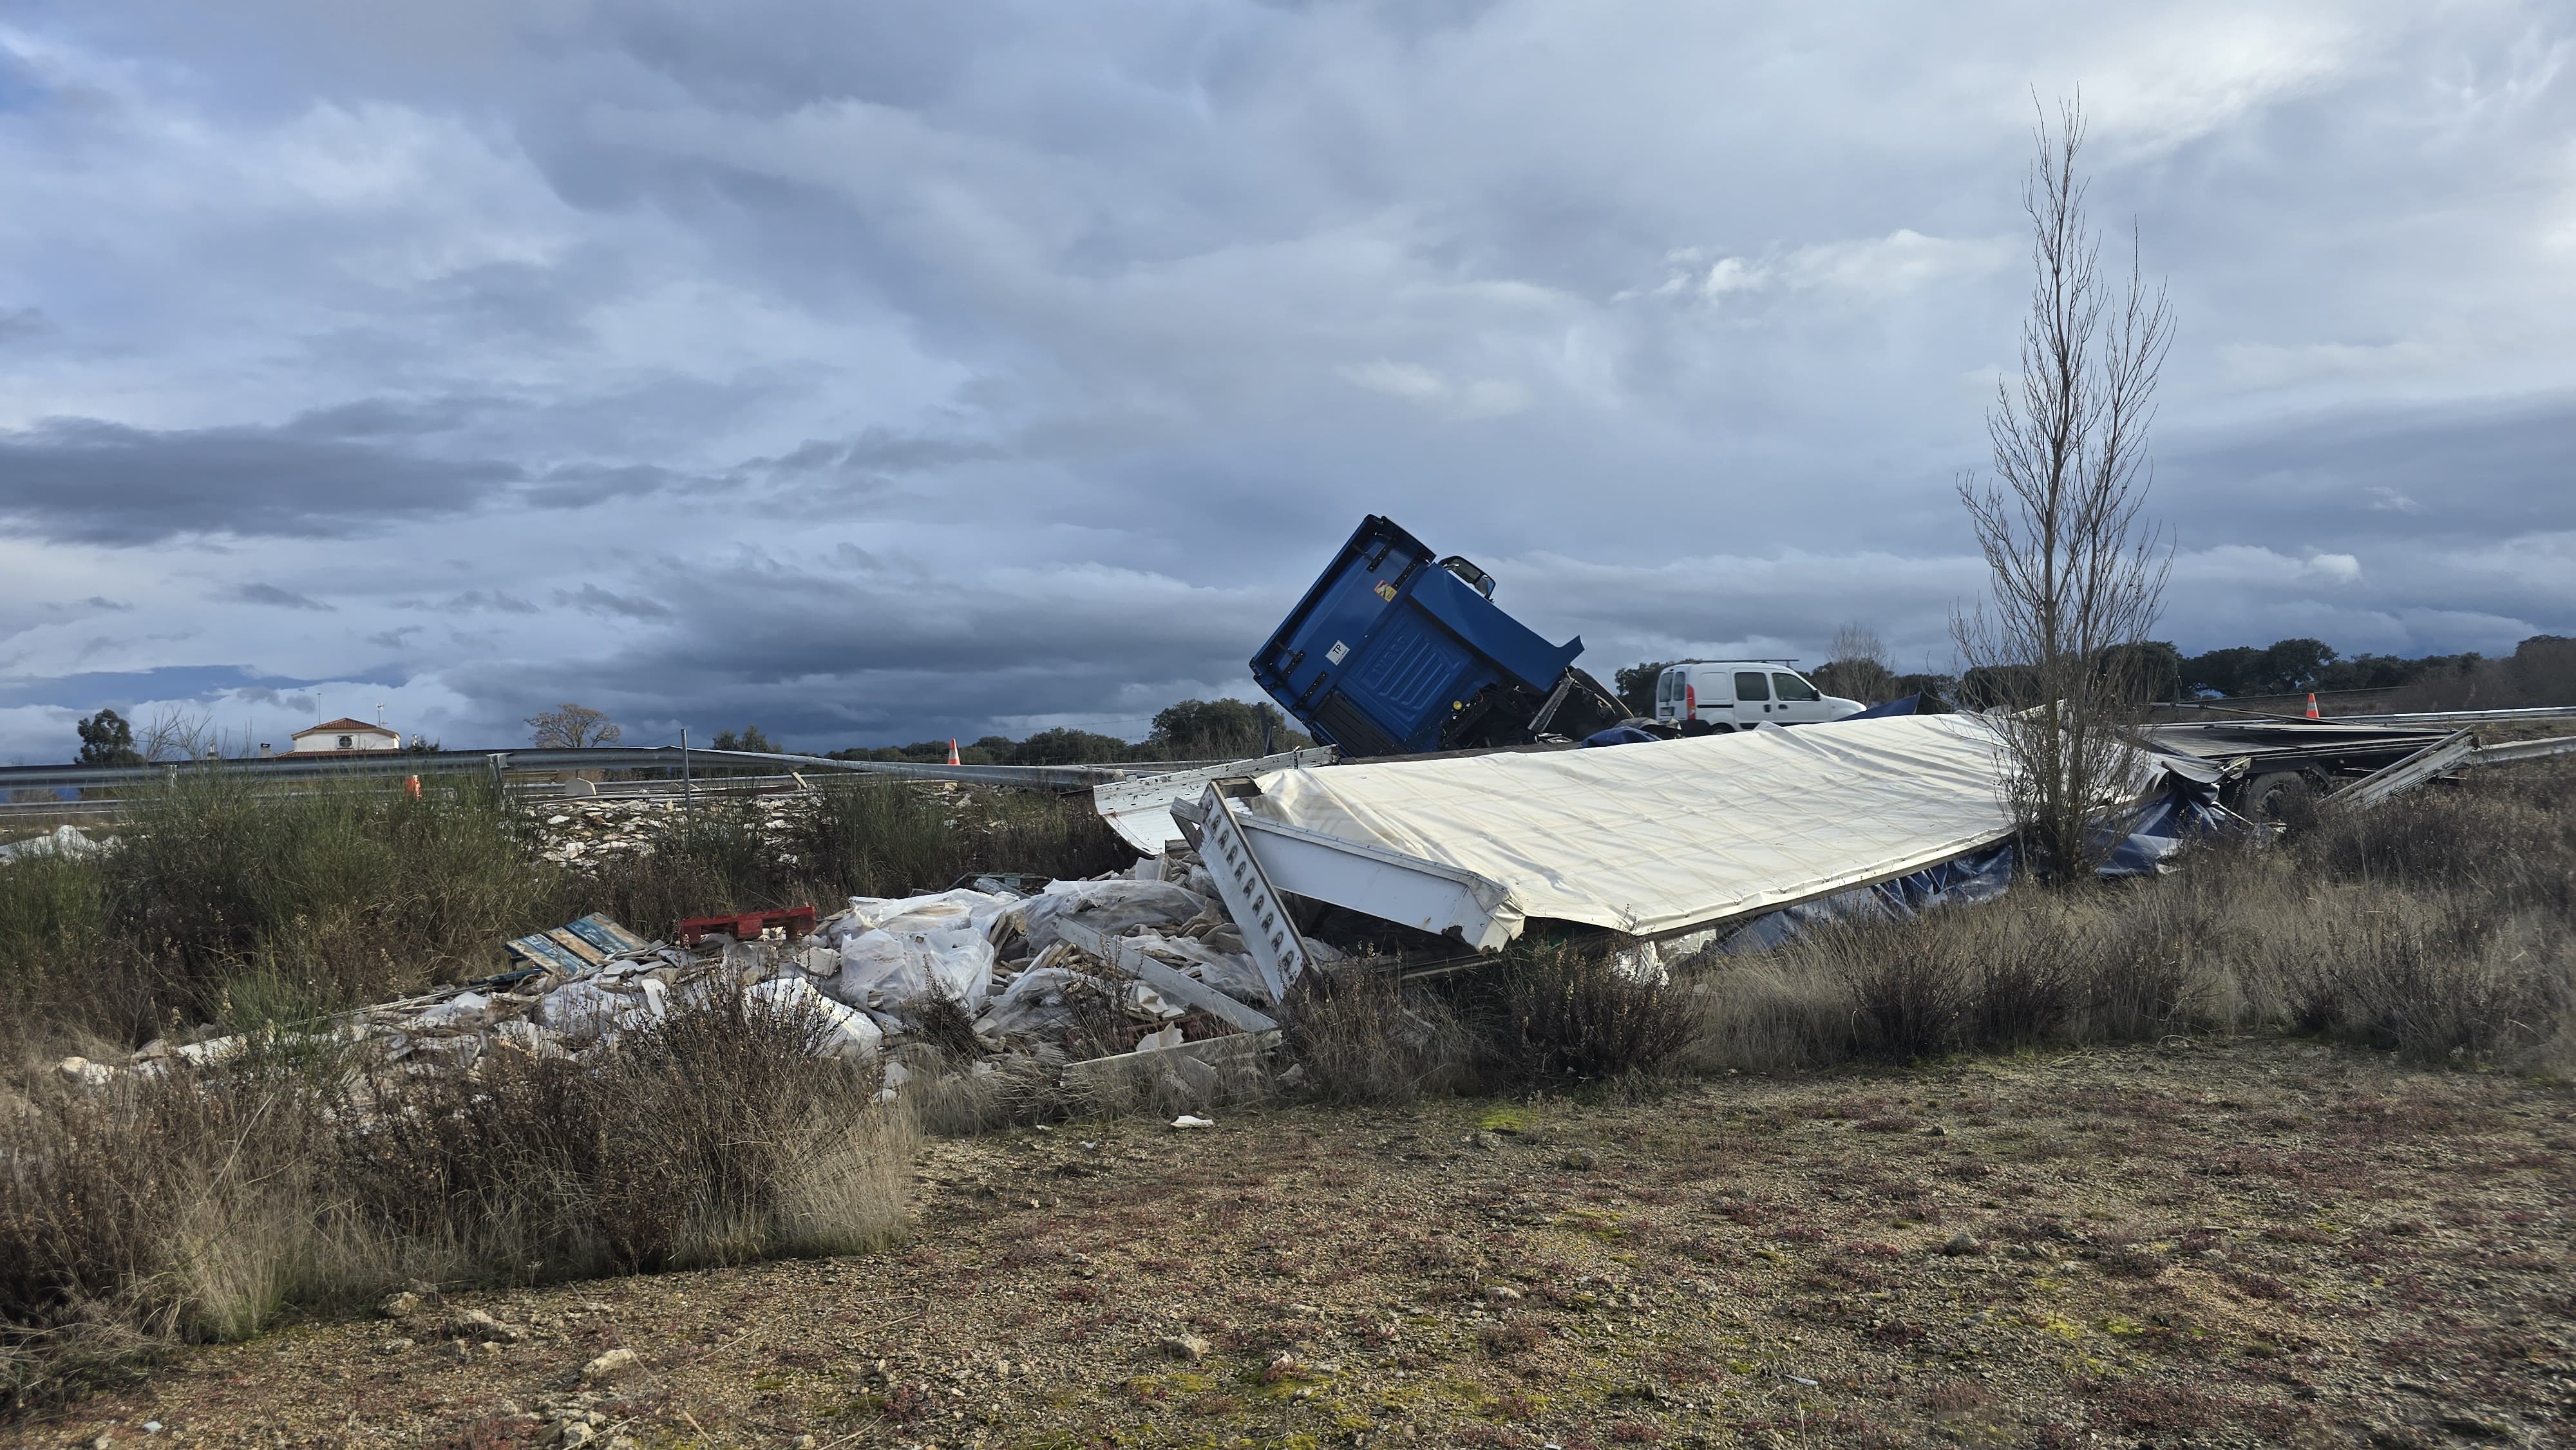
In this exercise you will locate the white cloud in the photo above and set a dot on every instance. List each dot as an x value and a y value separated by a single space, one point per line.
1462 399
2250 564
2179 73
1867 269
1409 381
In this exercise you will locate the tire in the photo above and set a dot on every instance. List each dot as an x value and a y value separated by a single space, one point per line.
2267 796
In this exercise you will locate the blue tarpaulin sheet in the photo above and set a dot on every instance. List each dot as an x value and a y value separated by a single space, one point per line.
2153 833
1909 705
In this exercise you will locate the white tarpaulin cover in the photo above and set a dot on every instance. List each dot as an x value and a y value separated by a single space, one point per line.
1656 837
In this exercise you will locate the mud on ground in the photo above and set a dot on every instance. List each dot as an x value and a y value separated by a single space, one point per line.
2262 1243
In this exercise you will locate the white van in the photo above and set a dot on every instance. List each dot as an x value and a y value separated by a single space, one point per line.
1741 694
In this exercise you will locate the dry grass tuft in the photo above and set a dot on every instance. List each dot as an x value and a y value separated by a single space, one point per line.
1362 1038
202 1206
1549 1013
2441 925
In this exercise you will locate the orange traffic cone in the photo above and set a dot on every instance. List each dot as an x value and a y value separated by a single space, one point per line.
2312 705
953 760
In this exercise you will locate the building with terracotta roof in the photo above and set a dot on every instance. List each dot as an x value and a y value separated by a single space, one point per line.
344 737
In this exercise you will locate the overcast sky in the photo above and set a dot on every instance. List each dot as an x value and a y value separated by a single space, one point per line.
878 372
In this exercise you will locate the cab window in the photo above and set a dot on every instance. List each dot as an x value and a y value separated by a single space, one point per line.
1793 688
1749 685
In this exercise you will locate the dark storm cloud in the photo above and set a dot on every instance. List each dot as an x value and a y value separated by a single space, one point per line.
860 648
591 599
1088 332
473 601
2392 475
336 472
270 594
368 418
86 481
121 688
878 451
579 485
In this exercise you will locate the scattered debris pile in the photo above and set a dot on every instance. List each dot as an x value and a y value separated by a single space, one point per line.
60 841
1079 981
576 832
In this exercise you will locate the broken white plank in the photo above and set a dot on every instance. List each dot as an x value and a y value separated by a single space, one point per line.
1250 899
1165 978
1410 890
1141 809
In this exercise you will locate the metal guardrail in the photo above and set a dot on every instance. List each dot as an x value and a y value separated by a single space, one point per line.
2235 715
2509 751
2459 717
612 757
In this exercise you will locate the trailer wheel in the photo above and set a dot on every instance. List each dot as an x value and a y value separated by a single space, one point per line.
2267 797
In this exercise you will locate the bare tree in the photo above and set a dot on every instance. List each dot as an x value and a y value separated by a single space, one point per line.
572 727
2079 572
1858 668
175 734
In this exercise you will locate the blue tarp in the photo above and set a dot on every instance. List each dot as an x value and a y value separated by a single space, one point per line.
1910 705
1978 876
2185 812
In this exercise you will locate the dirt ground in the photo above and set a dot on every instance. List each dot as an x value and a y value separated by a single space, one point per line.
2260 1243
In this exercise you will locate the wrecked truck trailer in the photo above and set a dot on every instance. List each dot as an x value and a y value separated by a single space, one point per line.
1395 651
2269 763
1675 842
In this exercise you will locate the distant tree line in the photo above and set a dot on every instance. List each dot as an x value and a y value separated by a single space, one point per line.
2540 671
1191 730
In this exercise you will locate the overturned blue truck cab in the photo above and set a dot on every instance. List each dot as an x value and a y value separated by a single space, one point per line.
1394 651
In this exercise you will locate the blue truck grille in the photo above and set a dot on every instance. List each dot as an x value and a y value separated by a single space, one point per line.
1350 729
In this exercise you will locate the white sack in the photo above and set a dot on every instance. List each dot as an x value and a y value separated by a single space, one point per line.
466 1009
847 1034
886 968
1113 908
961 909
1034 1002
1232 973
584 1010
895 949
60 841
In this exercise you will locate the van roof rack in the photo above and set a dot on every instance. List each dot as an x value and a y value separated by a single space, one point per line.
1792 661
